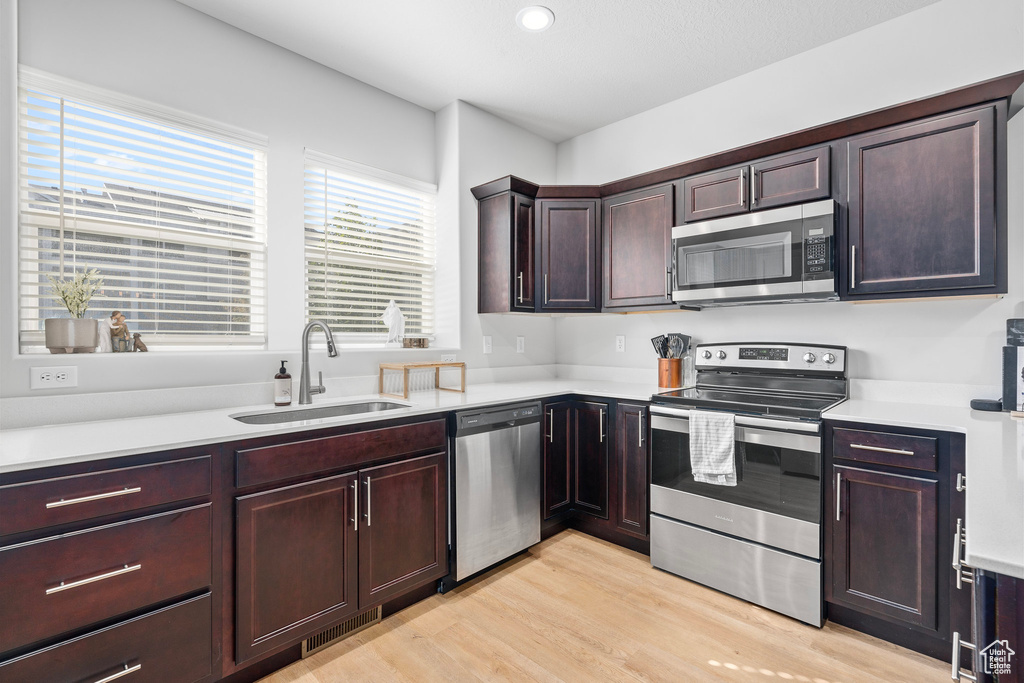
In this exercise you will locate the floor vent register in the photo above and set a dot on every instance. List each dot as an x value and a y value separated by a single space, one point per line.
330 636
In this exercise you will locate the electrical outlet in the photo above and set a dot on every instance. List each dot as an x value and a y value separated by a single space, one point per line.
520 344
620 343
447 357
56 377
487 343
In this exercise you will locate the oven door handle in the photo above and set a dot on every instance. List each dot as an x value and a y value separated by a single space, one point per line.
746 420
800 442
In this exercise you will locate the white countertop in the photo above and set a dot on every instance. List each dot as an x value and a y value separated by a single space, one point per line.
50 445
995 472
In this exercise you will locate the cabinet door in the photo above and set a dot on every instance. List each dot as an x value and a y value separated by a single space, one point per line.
790 178
403 540
922 206
568 254
494 257
721 193
636 236
630 480
522 253
591 437
557 485
296 562
884 557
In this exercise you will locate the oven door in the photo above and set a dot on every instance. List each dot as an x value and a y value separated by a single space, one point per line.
748 256
777 499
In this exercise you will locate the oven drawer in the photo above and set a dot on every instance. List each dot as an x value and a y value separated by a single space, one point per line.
62 583
171 645
886 448
779 581
40 504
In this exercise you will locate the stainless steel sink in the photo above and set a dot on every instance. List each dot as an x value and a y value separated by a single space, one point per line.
319 413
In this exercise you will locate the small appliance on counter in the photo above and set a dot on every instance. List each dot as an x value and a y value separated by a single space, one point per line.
1013 366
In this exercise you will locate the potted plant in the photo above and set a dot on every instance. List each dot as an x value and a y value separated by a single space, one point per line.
76 334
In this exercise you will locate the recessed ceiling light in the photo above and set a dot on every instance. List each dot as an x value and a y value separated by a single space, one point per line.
535 18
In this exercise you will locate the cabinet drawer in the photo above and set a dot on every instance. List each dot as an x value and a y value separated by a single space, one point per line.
66 582
885 448
40 504
301 458
171 645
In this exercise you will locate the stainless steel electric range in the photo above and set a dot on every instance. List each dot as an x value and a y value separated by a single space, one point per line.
759 539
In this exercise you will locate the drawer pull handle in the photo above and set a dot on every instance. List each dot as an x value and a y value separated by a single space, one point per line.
368 518
961 482
880 449
93 579
957 672
124 672
99 496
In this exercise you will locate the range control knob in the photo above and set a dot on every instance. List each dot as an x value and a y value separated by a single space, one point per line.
809 357
721 355
829 358
705 354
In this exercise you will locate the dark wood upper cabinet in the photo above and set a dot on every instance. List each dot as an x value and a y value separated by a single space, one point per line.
715 194
591 439
636 235
568 264
629 493
506 253
558 470
403 538
922 207
296 562
802 176
884 543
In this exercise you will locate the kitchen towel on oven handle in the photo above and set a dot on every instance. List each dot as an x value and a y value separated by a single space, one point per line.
713 447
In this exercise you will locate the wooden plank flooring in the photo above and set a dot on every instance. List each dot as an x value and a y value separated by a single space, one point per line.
575 608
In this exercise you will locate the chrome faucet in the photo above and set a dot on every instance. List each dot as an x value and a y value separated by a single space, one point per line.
306 391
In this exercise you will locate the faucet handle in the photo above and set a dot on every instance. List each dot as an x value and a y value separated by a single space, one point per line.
320 382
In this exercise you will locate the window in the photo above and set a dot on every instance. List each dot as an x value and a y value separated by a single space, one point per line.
369 240
170 210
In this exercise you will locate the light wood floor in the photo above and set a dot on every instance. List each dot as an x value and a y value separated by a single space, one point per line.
575 608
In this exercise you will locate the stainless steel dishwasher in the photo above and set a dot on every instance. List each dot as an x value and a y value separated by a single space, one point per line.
496 481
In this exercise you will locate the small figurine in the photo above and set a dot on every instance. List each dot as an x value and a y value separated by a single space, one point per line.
119 334
395 320
139 344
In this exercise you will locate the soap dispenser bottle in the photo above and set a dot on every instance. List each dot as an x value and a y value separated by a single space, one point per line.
282 387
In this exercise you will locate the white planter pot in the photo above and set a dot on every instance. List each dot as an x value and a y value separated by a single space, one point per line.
71 335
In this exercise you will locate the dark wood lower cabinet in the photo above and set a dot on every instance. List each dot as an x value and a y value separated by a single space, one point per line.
296 556
591 439
629 490
402 534
884 544
558 468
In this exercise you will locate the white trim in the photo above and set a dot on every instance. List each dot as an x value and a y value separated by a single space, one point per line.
340 165
9 179
34 78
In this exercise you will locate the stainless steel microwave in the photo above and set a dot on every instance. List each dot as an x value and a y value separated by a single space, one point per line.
778 255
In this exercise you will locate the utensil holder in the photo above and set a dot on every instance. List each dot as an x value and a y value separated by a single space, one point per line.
670 373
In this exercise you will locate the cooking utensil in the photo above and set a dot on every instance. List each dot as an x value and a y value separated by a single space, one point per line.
678 344
660 345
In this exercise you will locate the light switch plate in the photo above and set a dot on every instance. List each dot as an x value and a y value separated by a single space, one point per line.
520 344
54 377
487 343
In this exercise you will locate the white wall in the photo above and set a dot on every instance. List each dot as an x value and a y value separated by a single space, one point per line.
167 53
940 47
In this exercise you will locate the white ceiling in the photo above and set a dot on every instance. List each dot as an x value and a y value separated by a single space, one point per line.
602 61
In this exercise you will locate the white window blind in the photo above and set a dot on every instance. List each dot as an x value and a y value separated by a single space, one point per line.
369 239
173 217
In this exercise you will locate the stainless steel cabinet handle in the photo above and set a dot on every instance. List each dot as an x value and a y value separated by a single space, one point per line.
640 429
743 186
93 579
600 425
368 520
964 575
668 282
753 189
853 266
551 431
881 449
958 542
957 674
123 672
355 506
839 493
520 278
961 482
545 287
99 496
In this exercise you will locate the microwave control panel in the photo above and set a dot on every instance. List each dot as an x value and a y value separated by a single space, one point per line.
818 232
